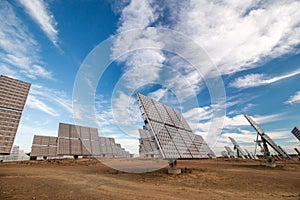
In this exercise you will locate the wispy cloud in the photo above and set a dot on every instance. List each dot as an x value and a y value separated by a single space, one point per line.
35 103
138 14
49 100
19 51
294 98
40 13
200 120
240 35
255 80
54 96
235 35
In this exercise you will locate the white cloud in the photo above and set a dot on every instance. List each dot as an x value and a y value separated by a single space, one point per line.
40 13
49 100
7 71
239 35
35 103
255 80
200 120
52 96
126 112
138 14
236 36
20 50
294 98
143 65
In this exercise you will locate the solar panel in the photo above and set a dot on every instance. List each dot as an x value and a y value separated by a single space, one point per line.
76 138
74 131
13 95
298 152
52 151
86 147
75 147
240 151
52 141
85 133
229 151
94 134
37 139
171 132
103 146
45 141
249 154
44 146
148 147
108 147
64 146
84 141
296 132
95 148
224 154
64 130
267 139
191 142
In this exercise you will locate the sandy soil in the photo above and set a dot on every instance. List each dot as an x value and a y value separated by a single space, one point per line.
203 179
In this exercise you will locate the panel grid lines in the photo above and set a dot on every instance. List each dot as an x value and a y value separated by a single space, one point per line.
172 133
85 141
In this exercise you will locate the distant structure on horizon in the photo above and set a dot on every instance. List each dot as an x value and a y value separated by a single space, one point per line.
267 141
15 155
296 132
239 151
13 95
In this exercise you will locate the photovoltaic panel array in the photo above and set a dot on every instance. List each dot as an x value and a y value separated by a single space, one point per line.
229 151
171 132
44 146
240 151
148 146
77 140
267 139
13 95
296 132
84 141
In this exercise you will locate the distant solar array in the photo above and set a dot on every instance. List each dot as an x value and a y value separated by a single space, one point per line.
13 95
74 140
229 151
296 132
168 132
224 154
298 152
265 139
240 152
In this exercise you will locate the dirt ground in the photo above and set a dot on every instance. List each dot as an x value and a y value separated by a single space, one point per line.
202 179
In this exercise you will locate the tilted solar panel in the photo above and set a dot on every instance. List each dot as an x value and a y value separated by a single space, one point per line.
171 132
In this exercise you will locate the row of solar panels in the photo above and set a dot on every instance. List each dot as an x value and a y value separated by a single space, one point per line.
76 140
229 153
53 146
169 133
75 131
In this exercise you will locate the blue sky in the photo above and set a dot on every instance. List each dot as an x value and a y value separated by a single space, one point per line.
230 59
